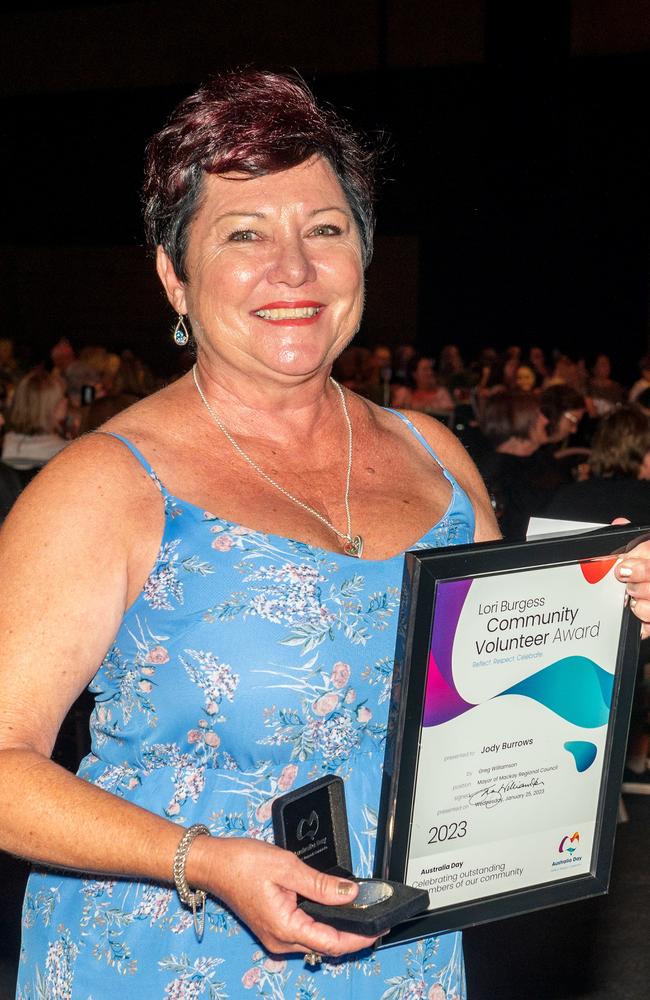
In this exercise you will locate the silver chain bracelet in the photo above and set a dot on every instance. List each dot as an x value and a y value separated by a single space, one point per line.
195 899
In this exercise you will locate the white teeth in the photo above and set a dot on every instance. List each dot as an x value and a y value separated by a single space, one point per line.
304 312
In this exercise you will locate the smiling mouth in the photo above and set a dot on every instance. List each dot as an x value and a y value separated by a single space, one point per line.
300 312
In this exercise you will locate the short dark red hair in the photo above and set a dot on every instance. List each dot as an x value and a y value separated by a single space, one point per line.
257 123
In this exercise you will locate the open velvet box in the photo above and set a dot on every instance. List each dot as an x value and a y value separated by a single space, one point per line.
312 822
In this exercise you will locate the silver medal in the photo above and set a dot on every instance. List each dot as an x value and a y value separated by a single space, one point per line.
372 892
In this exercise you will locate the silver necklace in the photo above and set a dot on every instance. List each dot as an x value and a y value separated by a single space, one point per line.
353 543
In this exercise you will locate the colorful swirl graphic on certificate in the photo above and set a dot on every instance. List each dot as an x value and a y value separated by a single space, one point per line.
518 697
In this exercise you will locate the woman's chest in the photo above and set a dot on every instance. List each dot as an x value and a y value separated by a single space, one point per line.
244 647
390 497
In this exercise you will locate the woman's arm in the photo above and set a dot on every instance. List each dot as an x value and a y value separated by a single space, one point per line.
74 553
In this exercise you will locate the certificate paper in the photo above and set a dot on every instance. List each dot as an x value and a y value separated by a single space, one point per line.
515 721
502 789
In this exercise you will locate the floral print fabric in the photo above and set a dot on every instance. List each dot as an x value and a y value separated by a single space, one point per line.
250 664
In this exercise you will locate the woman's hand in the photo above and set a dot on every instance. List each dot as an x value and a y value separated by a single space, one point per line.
634 572
261 884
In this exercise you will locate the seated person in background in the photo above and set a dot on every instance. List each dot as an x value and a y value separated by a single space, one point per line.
604 392
126 388
643 401
537 362
565 409
403 356
619 485
525 379
351 368
83 385
566 371
38 408
422 392
451 368
619 466
516 471
378 375
643 383
9 372
10 486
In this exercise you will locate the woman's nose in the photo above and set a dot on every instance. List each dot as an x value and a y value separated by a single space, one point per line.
291 264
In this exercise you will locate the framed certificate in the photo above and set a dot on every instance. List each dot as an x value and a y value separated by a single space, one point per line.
510 709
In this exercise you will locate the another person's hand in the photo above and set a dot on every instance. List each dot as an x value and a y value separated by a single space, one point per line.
634 572
261 884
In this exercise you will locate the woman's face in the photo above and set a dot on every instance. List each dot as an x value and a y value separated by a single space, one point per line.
423 376
525 378
275 275
602 367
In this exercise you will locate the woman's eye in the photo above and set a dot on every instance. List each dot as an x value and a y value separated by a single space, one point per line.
327 229
243 236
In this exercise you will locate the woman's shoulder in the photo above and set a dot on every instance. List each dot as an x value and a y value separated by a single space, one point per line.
452 456
441 440
93 479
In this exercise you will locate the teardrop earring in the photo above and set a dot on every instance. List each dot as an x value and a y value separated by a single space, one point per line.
181 335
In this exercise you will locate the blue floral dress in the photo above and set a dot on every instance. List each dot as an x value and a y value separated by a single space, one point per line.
248 665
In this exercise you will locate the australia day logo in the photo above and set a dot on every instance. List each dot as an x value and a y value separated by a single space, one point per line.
569 845
567 849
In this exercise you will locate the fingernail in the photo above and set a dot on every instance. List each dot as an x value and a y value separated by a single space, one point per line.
345 888
624 571
633 603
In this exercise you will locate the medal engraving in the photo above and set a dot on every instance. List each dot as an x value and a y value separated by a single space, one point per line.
372 892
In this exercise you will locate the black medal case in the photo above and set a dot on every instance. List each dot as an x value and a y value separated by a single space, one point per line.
312 822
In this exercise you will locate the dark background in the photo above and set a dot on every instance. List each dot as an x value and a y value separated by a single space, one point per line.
515 206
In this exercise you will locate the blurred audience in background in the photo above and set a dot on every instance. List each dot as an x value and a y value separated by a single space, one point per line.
643 383
527 421
451 369
537 361
515 471
565 409
123 382
34 421
603 391
422 390
618 484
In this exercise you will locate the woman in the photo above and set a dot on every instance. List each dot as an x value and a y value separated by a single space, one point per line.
619 484
248 652
525 379
126 386
516 470
38 409
603 391
423 392
565 409
619 465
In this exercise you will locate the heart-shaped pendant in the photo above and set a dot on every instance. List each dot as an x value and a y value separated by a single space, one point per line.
354 547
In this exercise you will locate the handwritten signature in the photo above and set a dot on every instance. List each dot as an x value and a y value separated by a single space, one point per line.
492 795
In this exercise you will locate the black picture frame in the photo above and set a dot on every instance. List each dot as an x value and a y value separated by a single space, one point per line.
424 571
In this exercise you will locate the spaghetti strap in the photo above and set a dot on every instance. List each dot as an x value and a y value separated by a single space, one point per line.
137 454
423 441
